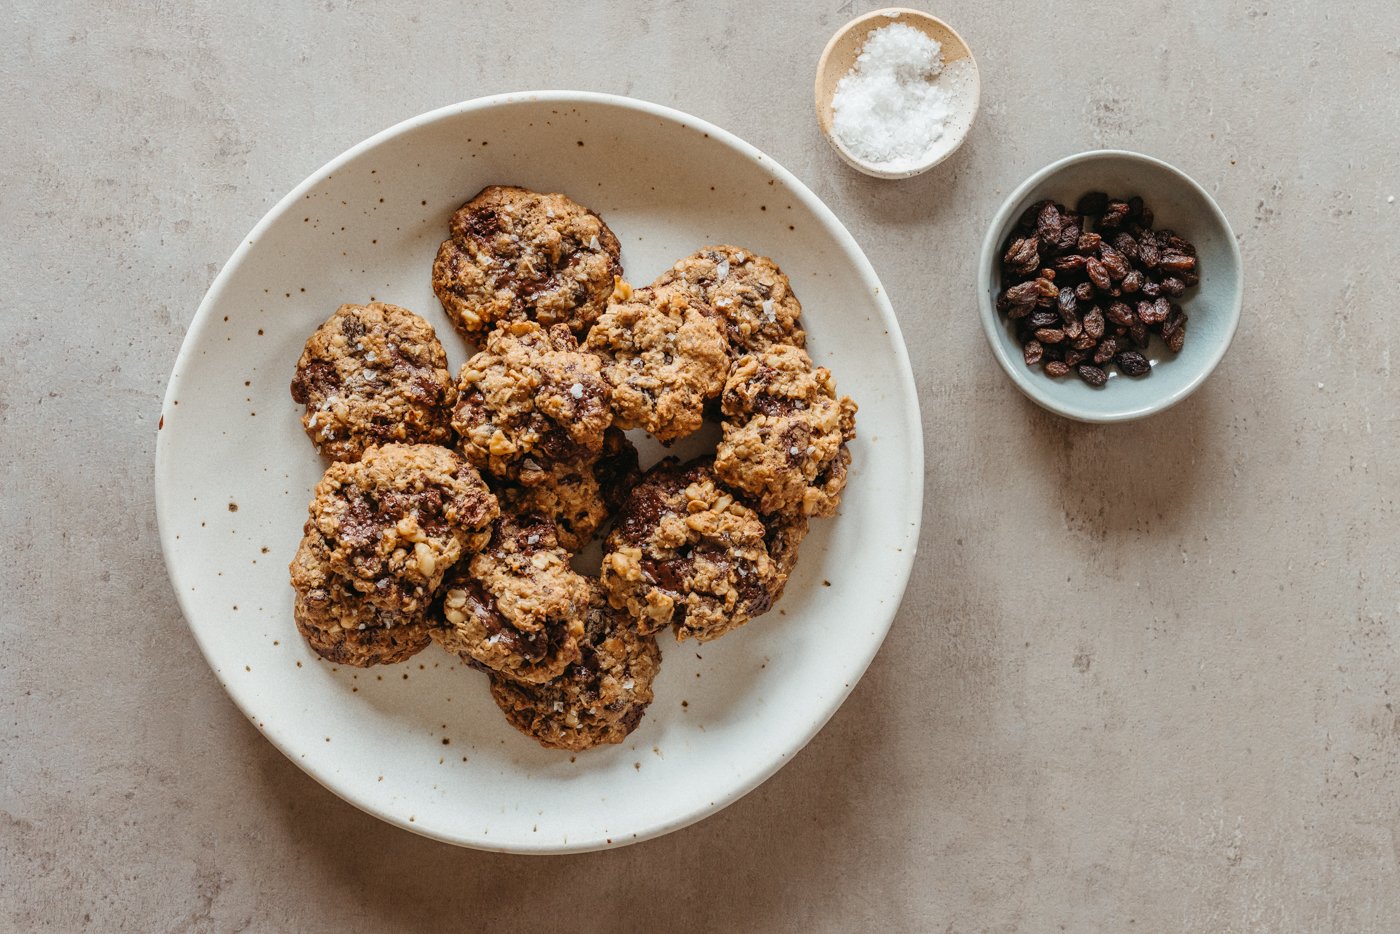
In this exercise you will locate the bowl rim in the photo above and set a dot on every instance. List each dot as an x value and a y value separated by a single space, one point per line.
871 168
1014 366
203 320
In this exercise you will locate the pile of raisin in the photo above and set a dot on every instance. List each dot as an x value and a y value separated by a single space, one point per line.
1085 299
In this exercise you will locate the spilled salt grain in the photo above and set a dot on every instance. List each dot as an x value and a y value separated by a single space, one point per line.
722 269
894 106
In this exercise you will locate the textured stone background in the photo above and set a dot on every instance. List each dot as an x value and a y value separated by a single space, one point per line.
1144 677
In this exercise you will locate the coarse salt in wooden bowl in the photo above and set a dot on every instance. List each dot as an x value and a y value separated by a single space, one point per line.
960 79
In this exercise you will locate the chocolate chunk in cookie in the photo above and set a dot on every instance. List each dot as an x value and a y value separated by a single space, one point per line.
665 355
397 519
786 433
339 623
580 499
748 290
685 552
373 374
531 402
519 254
598 699
518 607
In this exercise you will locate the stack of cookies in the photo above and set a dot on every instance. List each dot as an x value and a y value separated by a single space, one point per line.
454 508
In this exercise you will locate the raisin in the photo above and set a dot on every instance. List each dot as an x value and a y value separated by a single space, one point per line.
1033 351
1048 222
1124 243
1132 363
1084 343
1074 329
1029 215
1113 261
1069 236
1024 293
1177 245
1069 303
1089 242
1177 262
1153 313
1139 334
1151 288
1106 351
1056 368
1092 203
1070 263
1149 255
1023 256
1084 291
1176 339
1135 206
1074 357
1098 275
1173 286
1092 374
1093 323
1131 282
1120 313
1114 215
1049 335
1043 318
1019 311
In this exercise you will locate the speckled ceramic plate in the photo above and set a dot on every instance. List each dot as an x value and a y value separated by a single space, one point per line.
421 744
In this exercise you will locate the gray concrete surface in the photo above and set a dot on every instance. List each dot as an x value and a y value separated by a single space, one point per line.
1144 677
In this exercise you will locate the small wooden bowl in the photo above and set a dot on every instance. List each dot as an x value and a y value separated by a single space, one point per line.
839 57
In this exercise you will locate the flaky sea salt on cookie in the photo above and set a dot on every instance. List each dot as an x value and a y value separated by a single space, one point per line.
600 698
373 374
664 354
519 254
339 623
785 433
531 402
685 552
748 291
517 607
396 520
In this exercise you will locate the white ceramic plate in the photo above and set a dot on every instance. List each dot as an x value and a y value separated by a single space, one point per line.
421 744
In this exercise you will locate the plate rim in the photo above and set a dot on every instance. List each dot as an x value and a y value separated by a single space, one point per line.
913 428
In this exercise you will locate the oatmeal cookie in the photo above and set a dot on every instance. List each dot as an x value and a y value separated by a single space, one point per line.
598 699
373 374
785 433
749 290
397 519
340 624
517 607
665 354
687 553
530 402
580 499
516 253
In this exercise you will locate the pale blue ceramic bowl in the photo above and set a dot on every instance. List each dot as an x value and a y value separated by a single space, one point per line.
1212 307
